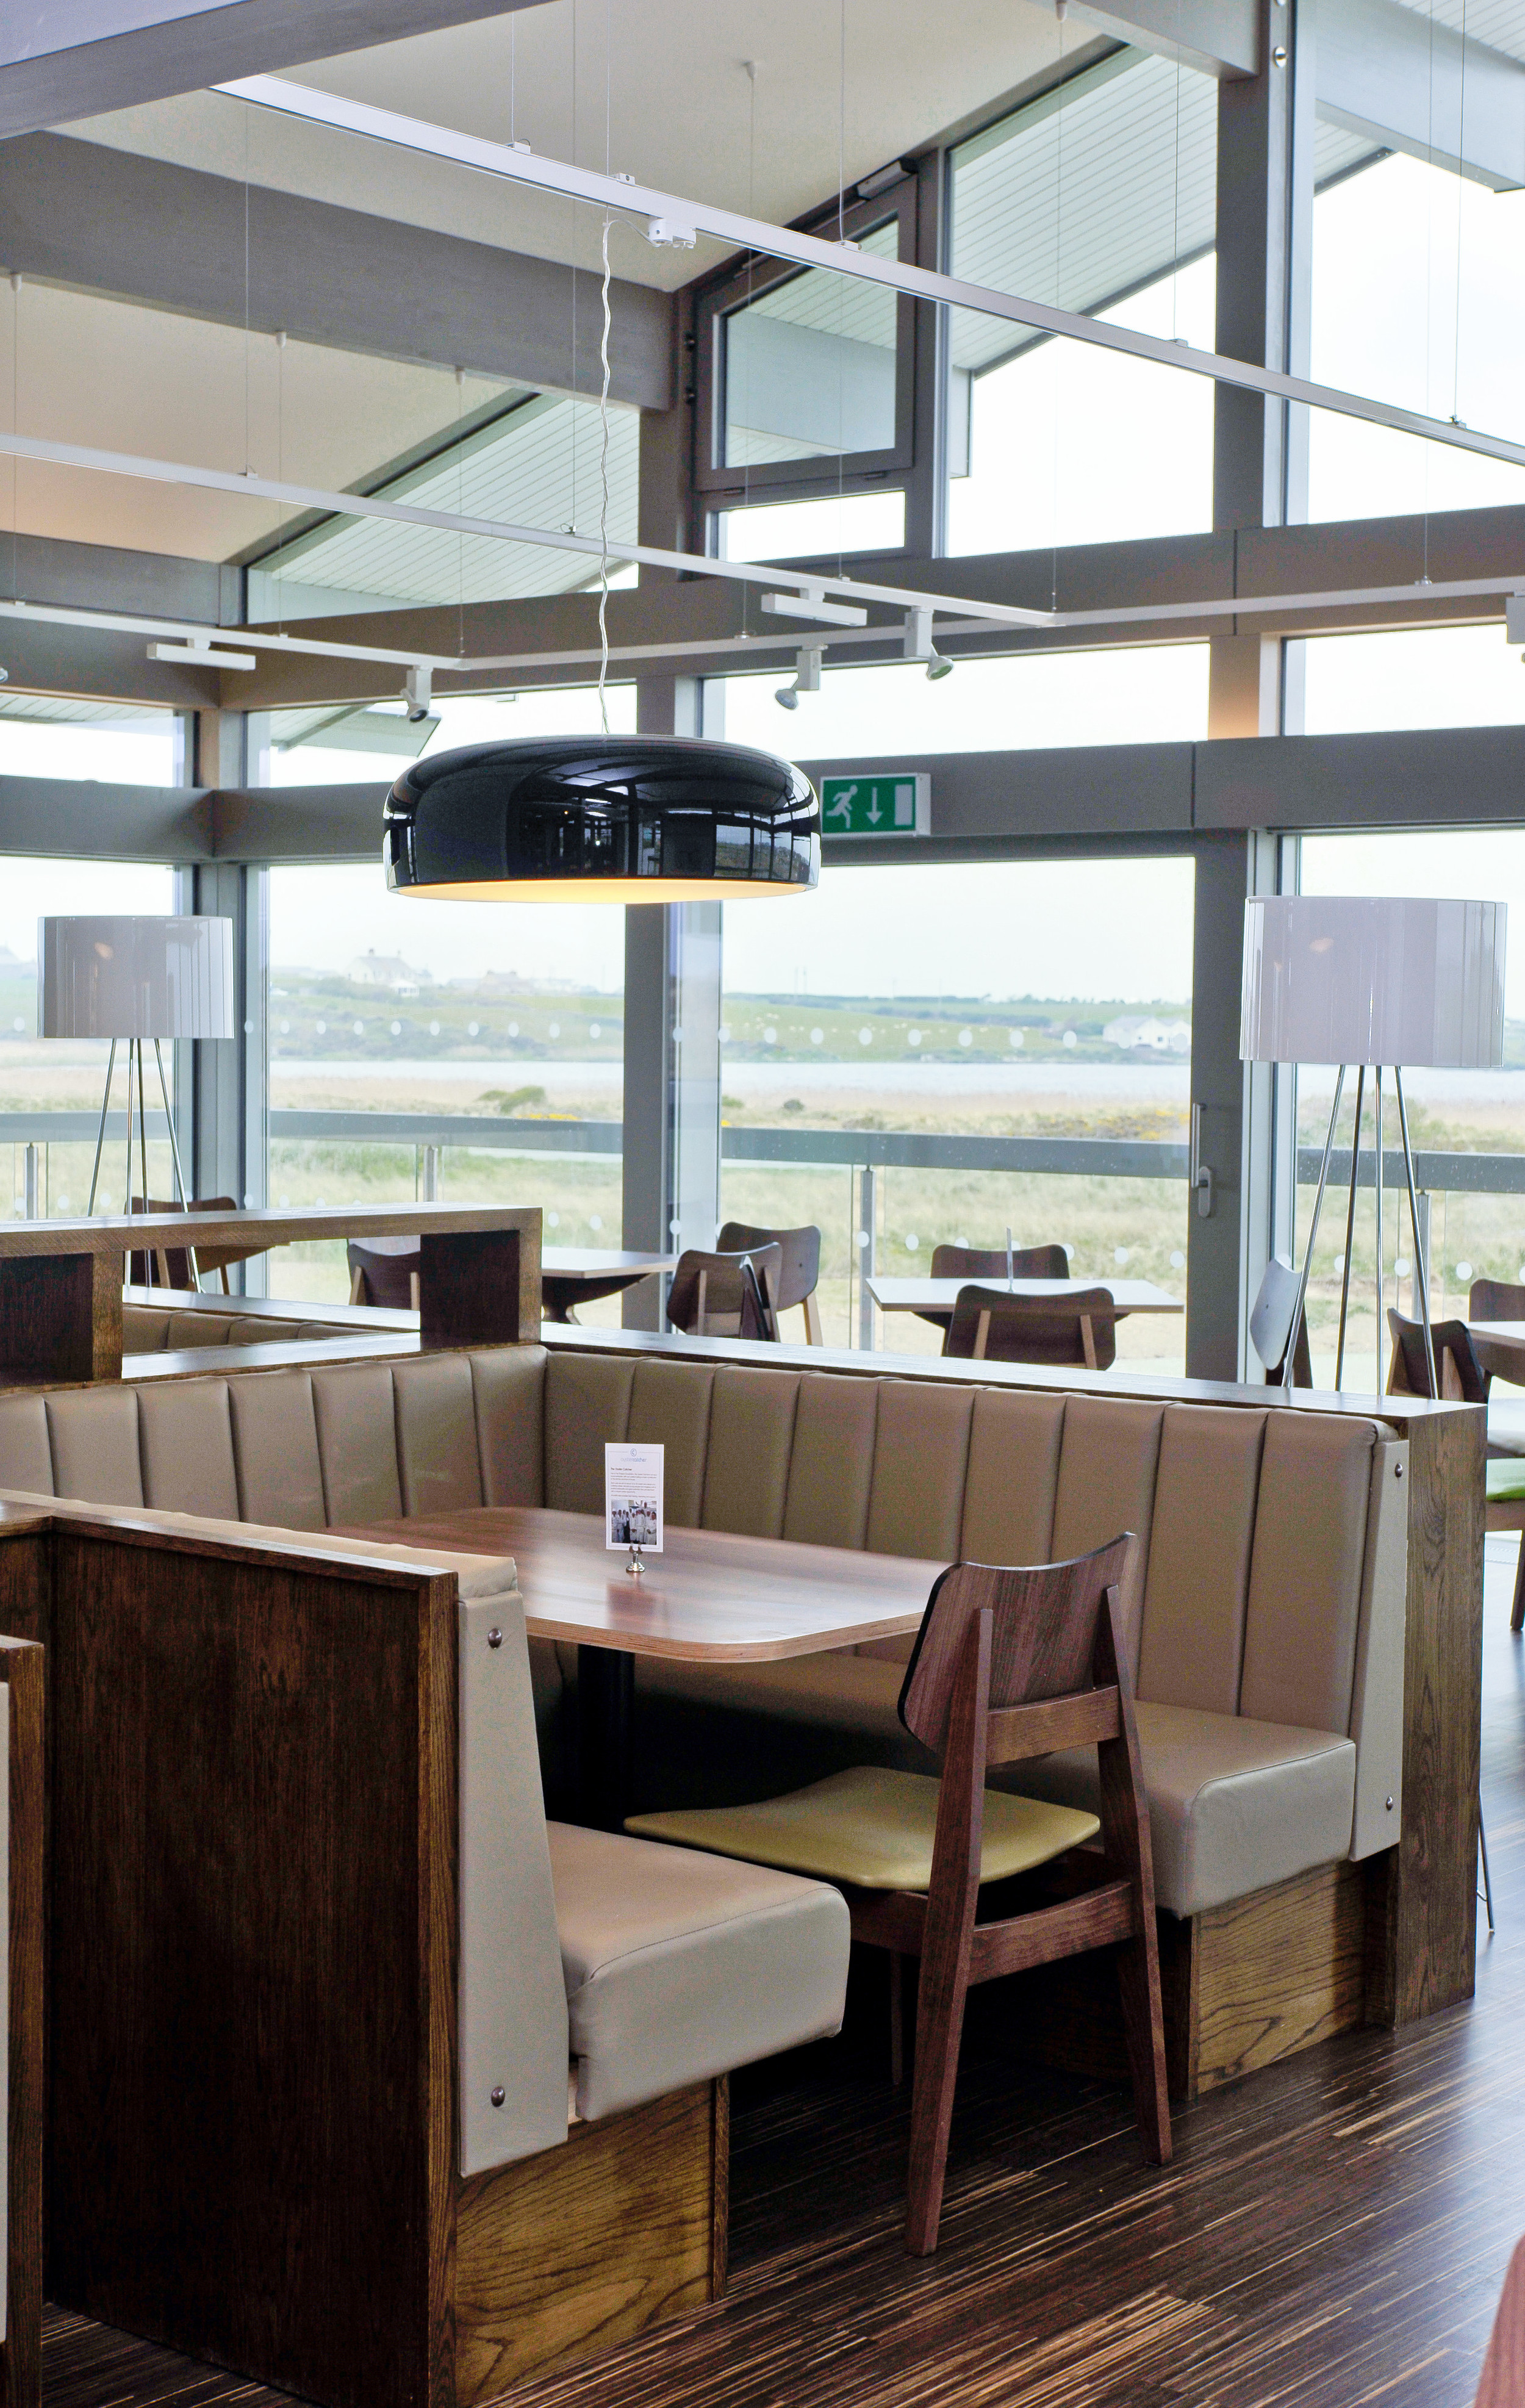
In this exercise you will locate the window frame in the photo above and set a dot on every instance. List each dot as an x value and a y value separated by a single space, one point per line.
719 487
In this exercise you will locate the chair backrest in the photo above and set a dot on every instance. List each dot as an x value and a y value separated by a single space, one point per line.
385 1270
169 1267
725 1296
799 1257
1495 1300
991 1325
990 1262
1043 1643
1271 1322
1460 1372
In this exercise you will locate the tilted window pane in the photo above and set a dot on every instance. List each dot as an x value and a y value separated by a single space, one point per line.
810 365
1099 199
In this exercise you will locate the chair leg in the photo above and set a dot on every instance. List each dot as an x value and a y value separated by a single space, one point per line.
1517 1618
939 2028
1144 2030
1488 1879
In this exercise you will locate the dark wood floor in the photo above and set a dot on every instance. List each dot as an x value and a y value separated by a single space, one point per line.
1333 2232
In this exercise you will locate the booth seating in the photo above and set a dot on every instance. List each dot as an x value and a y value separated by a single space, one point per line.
1265 1627
154 1329
365 2081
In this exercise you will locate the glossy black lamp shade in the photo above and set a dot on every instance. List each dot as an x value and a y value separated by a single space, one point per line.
607 819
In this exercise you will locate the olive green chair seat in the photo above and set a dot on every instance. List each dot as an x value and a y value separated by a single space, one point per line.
871 1829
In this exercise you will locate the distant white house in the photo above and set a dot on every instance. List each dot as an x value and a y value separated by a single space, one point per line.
388 970
1140 1033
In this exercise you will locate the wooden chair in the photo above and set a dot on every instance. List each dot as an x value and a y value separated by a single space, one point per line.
385 1271
1495 1300
726 1295
1008 1664
173 1267
990 1263
799 1273
989 1324
1270 1322
1462 1377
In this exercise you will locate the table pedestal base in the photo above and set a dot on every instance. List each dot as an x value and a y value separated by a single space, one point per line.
606 1730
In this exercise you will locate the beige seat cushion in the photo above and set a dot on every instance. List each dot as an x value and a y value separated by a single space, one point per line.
1235 1805
679 1966
872 1828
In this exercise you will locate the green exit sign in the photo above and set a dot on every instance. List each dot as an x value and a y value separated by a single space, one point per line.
900 806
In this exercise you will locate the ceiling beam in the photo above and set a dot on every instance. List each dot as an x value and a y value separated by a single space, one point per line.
1220 36
80 58
1401 78
76 213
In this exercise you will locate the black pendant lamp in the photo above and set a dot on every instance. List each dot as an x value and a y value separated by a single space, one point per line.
602 819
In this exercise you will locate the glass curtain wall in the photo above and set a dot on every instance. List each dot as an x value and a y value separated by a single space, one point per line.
47 1085
52 1084
493 1034
906 1062
1419 249
1100 199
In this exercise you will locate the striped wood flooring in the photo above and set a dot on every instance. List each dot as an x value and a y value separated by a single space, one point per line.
1333 2232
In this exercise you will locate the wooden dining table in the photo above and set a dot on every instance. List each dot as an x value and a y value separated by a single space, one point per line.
941 1295
710 1596
573 1275
1500 1348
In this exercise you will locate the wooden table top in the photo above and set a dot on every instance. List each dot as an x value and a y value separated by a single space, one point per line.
600 1262
1500 1347
710 1597
941 1295
130 1233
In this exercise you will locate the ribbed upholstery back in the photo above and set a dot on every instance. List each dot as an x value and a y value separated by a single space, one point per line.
1195 1595
751 1436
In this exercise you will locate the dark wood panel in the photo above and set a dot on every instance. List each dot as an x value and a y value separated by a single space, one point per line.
60 1318
567 2253
480 1287
249 1967
1432 1930
23 1667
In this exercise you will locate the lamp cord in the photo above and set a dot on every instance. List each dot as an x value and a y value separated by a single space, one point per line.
603 494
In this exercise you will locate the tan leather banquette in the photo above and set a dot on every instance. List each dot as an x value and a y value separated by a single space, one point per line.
1267 1631
158 1328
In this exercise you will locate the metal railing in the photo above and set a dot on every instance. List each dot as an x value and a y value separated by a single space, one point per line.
1080 1157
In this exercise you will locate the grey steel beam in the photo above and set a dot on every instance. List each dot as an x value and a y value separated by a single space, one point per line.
1093 800
1412 83
75 58
73 213
73 818
1220 36
1435 777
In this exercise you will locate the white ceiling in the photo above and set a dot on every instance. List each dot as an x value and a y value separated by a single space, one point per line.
127 379
670 79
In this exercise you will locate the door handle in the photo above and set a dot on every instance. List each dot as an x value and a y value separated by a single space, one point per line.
1199 1176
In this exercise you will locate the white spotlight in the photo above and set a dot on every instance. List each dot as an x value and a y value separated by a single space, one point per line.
806 680
418 690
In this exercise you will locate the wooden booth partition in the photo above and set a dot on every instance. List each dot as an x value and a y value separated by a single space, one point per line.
252 2148
24 1588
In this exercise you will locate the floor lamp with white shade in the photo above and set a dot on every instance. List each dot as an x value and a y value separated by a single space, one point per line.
147 976
1381 982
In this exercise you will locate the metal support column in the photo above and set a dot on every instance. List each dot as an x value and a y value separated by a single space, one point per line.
672 1115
